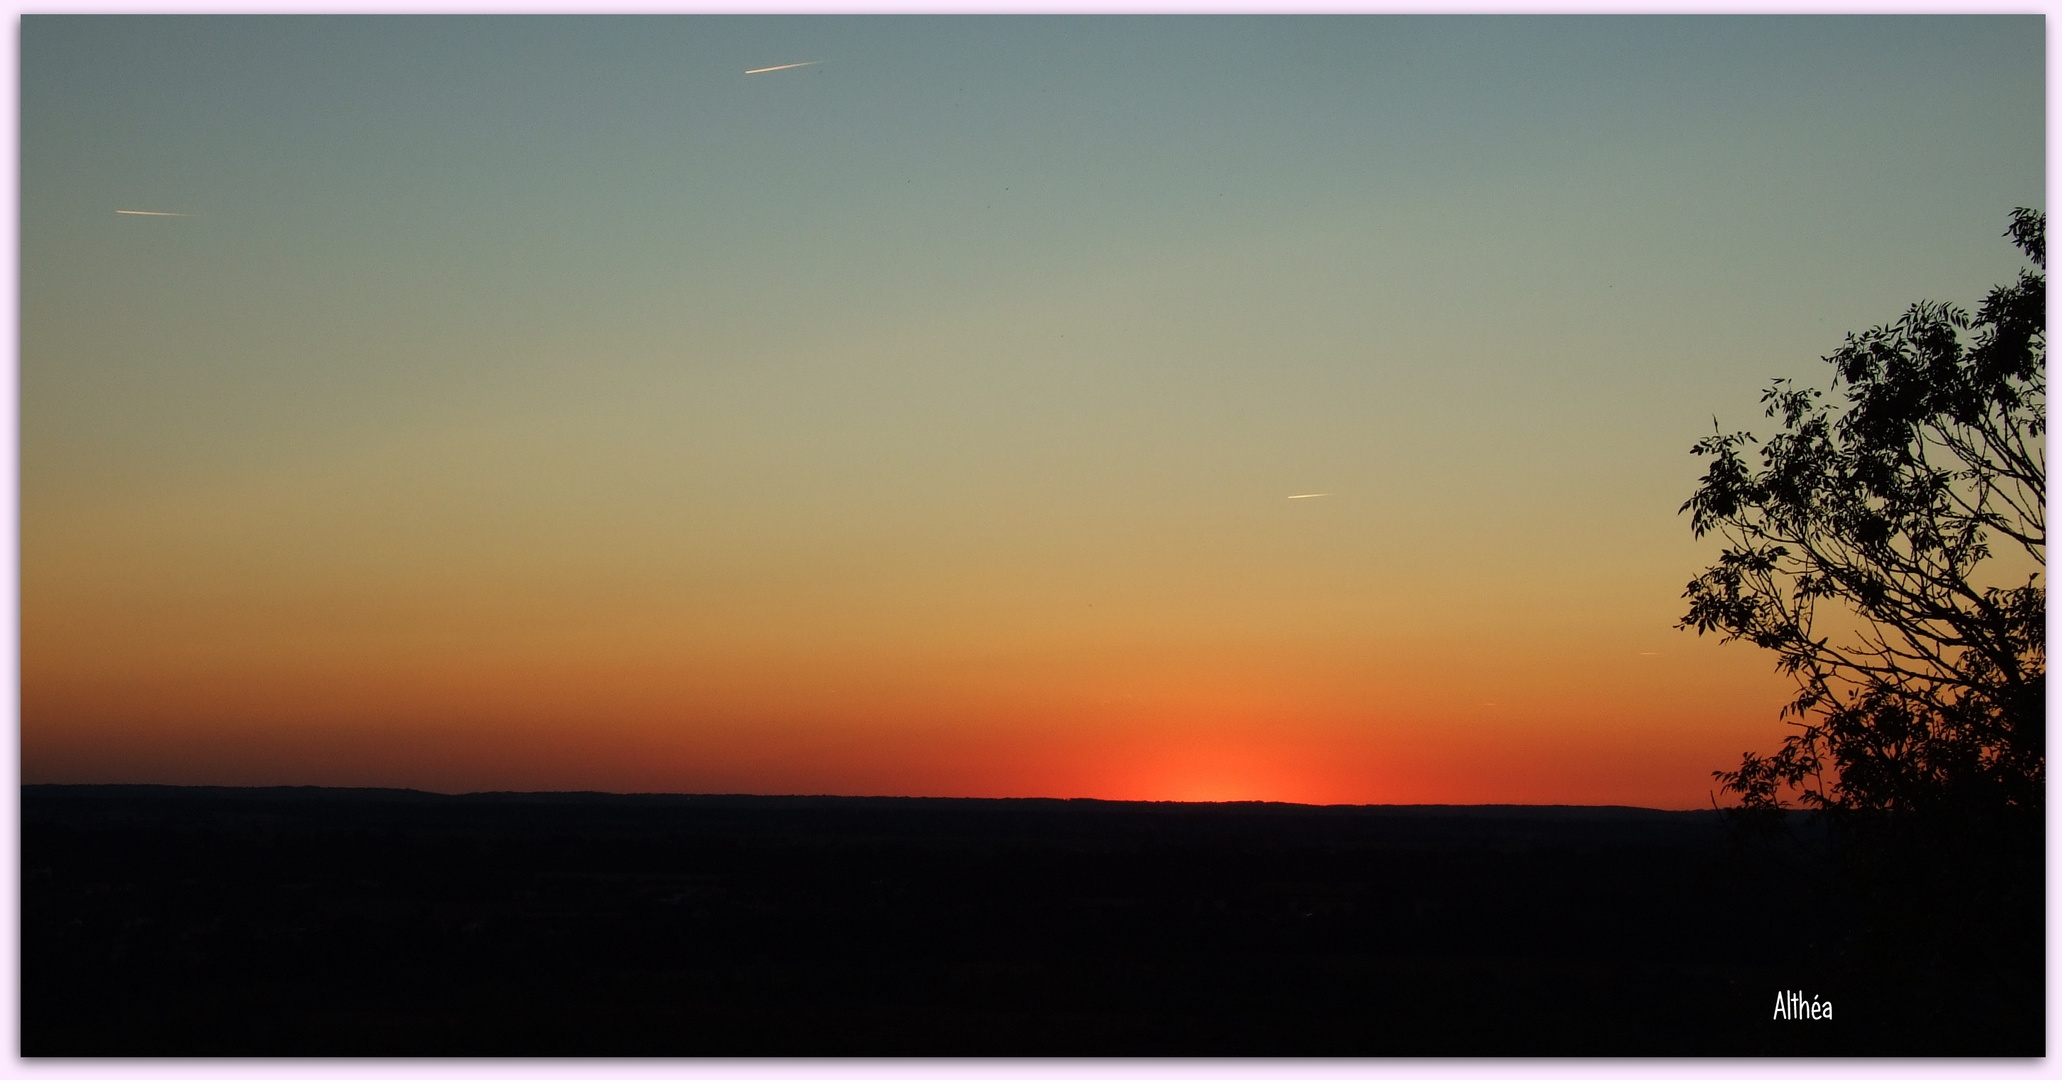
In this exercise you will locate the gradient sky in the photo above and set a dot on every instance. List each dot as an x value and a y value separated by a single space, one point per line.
546 403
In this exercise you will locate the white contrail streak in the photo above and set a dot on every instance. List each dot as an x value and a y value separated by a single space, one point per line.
782 67
152 213
1313 495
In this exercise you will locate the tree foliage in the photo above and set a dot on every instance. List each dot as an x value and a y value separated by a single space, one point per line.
1905 494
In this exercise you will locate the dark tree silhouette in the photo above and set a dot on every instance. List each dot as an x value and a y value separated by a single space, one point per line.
1890 548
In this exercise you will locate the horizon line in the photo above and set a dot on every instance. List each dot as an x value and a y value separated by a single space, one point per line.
827 795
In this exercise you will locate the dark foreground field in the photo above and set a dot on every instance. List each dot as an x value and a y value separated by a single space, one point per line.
196 921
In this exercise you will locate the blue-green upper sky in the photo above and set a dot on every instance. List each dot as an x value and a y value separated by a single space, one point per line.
1526 215
991 307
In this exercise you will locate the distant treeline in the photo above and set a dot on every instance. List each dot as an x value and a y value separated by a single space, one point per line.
308 921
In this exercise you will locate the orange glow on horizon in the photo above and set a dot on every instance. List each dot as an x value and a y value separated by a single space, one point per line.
498 731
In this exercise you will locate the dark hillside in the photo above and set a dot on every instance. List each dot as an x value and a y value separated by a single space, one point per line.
297 921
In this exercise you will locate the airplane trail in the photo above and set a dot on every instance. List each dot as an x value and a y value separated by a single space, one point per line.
1313 495
152 213
782 67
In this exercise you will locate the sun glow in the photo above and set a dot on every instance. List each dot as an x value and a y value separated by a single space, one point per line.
1223 772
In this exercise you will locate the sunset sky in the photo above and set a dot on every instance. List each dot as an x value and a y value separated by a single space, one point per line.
541 403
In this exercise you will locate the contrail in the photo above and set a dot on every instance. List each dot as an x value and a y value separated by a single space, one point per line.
1313 495
783 67
152 213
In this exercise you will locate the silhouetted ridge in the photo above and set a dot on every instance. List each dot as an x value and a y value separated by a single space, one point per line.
314 792
326 921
